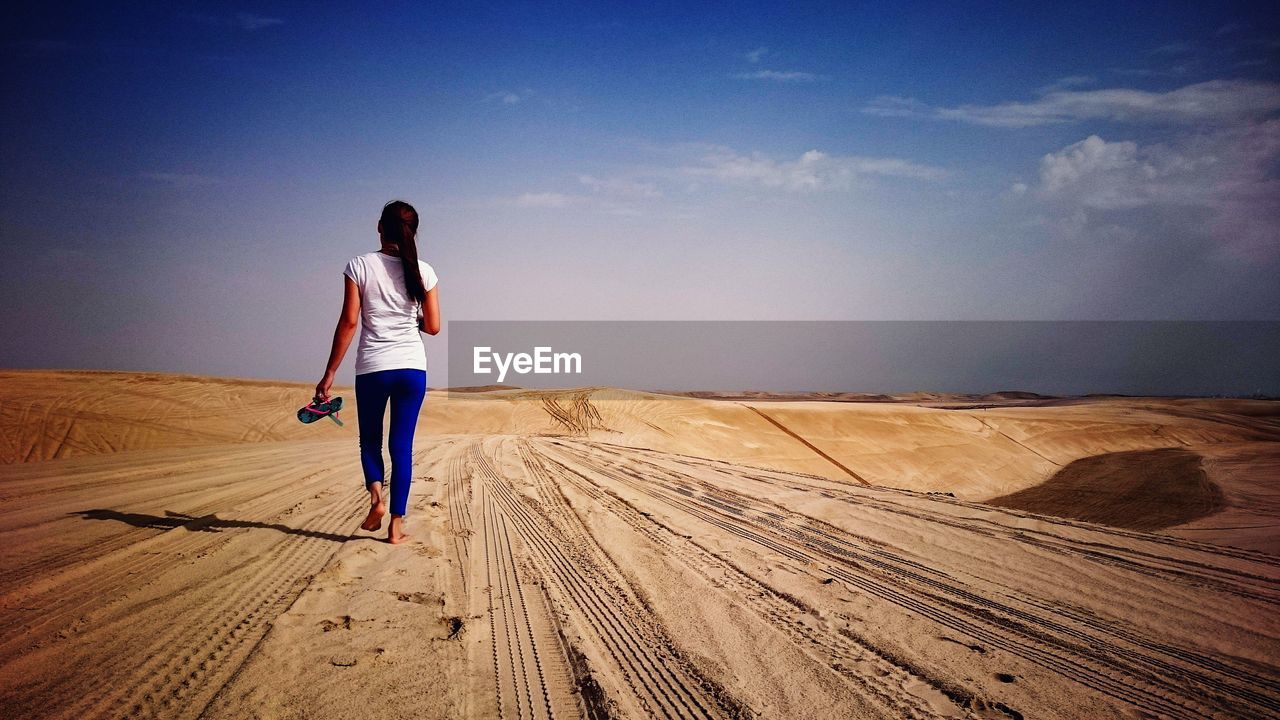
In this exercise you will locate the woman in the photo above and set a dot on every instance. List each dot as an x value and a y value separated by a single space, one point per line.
394 295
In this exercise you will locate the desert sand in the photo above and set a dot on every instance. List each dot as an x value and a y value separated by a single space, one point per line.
180 547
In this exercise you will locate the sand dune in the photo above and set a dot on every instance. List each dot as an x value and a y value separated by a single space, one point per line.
974 453
176 547
61 414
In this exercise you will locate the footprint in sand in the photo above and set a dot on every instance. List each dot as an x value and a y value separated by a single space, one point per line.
420 598
343 622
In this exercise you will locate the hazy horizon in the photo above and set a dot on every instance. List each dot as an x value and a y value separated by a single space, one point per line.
781 358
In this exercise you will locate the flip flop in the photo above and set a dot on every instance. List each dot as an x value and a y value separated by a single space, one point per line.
314 411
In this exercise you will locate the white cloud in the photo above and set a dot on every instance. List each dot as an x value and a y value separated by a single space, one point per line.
1185 68
1068 82
692 167
1222 181
508 97
896 106
814 170
621 187
754 56
1215 102
638 190
778 76
1108 174
615 196
598 203
546 200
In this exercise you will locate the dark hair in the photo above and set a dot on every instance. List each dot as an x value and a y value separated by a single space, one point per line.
399 223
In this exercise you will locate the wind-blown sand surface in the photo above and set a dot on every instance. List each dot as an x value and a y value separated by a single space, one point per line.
176 546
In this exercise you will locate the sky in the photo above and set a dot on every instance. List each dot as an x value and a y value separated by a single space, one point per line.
182 183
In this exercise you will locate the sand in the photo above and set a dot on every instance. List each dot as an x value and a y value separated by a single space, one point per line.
180 546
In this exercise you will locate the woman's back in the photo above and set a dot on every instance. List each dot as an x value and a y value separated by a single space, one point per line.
388 315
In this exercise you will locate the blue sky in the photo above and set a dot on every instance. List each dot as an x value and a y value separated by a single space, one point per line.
182 183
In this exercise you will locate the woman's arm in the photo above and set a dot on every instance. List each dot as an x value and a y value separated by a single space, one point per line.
431 312
348 321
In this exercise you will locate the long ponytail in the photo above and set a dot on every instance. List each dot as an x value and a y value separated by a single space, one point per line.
399 224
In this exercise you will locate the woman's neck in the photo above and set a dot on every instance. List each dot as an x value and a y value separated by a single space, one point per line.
391 250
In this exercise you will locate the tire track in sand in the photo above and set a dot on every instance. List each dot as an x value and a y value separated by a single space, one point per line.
458 503
1182 685
806 443
86 576
659 679
172 649
875 675
518 676
189 662
1166 566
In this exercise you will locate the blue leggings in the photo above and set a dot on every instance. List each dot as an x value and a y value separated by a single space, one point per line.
405 388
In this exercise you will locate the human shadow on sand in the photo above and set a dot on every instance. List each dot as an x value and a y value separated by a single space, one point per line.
207 523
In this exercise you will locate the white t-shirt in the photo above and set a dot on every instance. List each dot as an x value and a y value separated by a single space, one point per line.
389 337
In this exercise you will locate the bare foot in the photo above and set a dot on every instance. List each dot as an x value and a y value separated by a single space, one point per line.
395 531
373 521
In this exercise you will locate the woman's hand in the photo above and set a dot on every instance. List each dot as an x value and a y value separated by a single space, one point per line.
322 387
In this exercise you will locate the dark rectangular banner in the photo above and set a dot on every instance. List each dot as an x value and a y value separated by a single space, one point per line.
1049 357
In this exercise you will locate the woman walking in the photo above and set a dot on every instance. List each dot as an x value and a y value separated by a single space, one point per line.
392 295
